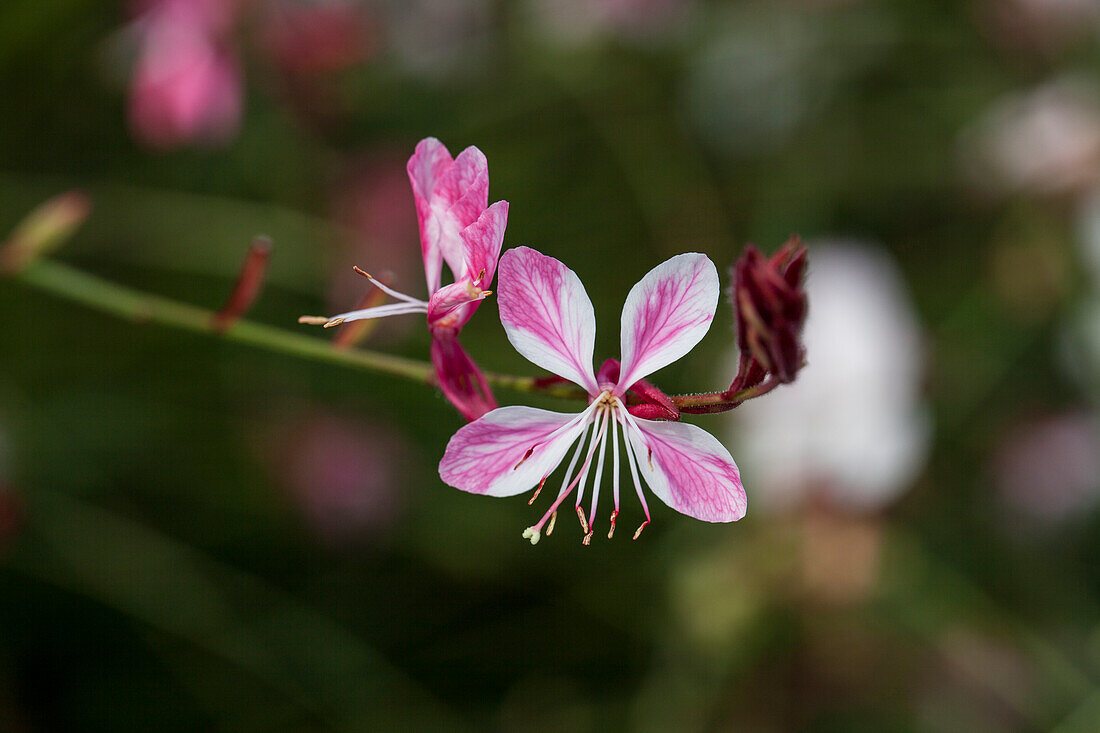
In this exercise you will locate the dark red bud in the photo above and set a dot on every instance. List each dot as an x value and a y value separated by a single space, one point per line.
770 307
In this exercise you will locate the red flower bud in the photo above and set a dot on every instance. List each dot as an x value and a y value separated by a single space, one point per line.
770 306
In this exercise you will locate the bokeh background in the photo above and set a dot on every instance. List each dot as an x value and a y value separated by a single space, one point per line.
196 534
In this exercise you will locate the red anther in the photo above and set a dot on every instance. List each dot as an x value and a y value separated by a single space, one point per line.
587 539
249 281
614 516
537 490
525 457
584 520
639 530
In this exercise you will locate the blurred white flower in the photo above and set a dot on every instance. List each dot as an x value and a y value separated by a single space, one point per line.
852 426
1046 141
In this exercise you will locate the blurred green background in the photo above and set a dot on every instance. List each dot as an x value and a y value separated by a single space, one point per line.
197 534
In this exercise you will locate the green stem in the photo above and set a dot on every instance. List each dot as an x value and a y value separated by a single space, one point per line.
141 307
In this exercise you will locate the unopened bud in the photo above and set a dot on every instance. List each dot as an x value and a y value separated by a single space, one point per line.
770 307
43 230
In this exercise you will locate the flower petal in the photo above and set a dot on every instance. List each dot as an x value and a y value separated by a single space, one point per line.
688 469
488 455
547 315
483 240
666 313
460 195
425 168
460 380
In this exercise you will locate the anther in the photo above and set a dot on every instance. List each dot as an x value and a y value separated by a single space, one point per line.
314 320
364 273
650 458
532 534
587 539
334 322
525 457
550 527
536 494
639 530
614 516
584 522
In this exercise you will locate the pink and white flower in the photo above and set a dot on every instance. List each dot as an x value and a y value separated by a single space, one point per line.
550 320
457 227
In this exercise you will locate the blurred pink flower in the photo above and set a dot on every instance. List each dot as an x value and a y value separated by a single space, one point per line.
372 203
549 319
342 474
457 226
186 85
851 430
1049 468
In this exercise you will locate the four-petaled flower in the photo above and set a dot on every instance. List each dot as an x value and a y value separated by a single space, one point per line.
457 226
549 319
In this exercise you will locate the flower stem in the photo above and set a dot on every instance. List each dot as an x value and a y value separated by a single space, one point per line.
711 402
141 307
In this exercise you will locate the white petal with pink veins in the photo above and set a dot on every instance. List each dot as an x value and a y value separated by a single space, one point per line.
510 450
666 314
688 469
547 315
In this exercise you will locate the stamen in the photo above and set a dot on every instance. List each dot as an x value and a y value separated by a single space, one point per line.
587 539
632 460
599 468
334 322
480 275
599 436
550 527
388 290
314 320
537 490
639 530
525 457
615 465
614 516
584 522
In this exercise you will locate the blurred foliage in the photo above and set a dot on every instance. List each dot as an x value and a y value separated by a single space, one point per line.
164 577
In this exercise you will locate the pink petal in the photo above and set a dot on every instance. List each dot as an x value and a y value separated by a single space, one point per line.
460 380
508 451
460 195
425 168
691 471
483 240
666 314
547 315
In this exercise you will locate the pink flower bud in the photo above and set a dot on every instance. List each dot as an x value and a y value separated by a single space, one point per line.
770 307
